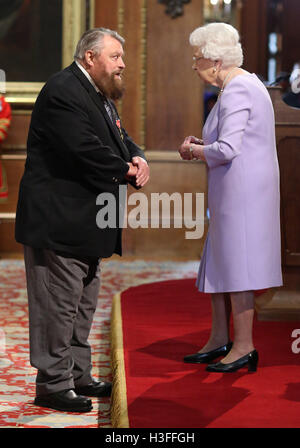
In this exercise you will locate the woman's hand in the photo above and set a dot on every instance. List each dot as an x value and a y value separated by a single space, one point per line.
192 148
197 152
192 139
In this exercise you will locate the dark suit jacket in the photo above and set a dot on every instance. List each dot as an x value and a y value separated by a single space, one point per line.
74 153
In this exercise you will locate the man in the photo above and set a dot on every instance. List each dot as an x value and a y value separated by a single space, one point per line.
77 149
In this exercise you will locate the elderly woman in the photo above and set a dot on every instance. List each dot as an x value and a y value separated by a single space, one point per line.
242 250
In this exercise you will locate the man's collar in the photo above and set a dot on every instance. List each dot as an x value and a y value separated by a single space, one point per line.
87 75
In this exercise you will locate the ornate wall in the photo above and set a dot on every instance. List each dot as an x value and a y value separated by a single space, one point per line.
162 104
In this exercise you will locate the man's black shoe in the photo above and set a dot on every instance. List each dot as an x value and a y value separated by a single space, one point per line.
95 389
65 400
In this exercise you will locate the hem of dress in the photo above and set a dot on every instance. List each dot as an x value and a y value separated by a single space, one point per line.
250 288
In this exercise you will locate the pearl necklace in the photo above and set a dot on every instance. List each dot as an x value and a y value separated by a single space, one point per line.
227 76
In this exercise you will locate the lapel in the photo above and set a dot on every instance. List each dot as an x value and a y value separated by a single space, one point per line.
99 103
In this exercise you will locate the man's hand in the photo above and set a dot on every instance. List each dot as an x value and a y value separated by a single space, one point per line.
143 171
132 172
184 149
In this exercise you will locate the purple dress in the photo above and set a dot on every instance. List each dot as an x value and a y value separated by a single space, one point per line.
242 250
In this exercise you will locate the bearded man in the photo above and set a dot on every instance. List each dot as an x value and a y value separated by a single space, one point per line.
77 149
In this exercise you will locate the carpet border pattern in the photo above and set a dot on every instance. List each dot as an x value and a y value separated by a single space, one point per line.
119 407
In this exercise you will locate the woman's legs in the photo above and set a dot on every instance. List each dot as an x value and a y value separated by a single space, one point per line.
221 308
242 304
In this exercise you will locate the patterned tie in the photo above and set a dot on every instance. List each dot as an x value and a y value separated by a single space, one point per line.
108 109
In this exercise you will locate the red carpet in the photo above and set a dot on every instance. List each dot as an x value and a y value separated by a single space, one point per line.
164 321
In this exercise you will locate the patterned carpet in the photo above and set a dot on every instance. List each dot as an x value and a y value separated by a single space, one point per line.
17 389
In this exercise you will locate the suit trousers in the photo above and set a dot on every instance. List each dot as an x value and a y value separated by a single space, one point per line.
62 298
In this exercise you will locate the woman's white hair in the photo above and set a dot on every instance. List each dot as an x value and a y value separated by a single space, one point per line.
219 42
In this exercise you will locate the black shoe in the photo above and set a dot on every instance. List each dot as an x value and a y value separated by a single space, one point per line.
208 356
65 400
249 360
95 389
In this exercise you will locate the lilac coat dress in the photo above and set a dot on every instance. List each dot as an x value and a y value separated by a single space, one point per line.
242 250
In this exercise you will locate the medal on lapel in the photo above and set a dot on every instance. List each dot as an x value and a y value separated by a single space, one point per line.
118 124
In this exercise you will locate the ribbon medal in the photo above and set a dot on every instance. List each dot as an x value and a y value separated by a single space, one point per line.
118 123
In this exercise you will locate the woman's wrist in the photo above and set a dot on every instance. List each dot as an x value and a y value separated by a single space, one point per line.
197 151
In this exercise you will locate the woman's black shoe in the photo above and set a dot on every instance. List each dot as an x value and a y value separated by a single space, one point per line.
200 358
249 360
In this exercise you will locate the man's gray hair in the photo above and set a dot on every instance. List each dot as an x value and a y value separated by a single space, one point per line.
93 40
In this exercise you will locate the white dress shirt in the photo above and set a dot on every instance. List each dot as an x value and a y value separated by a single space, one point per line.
87 75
